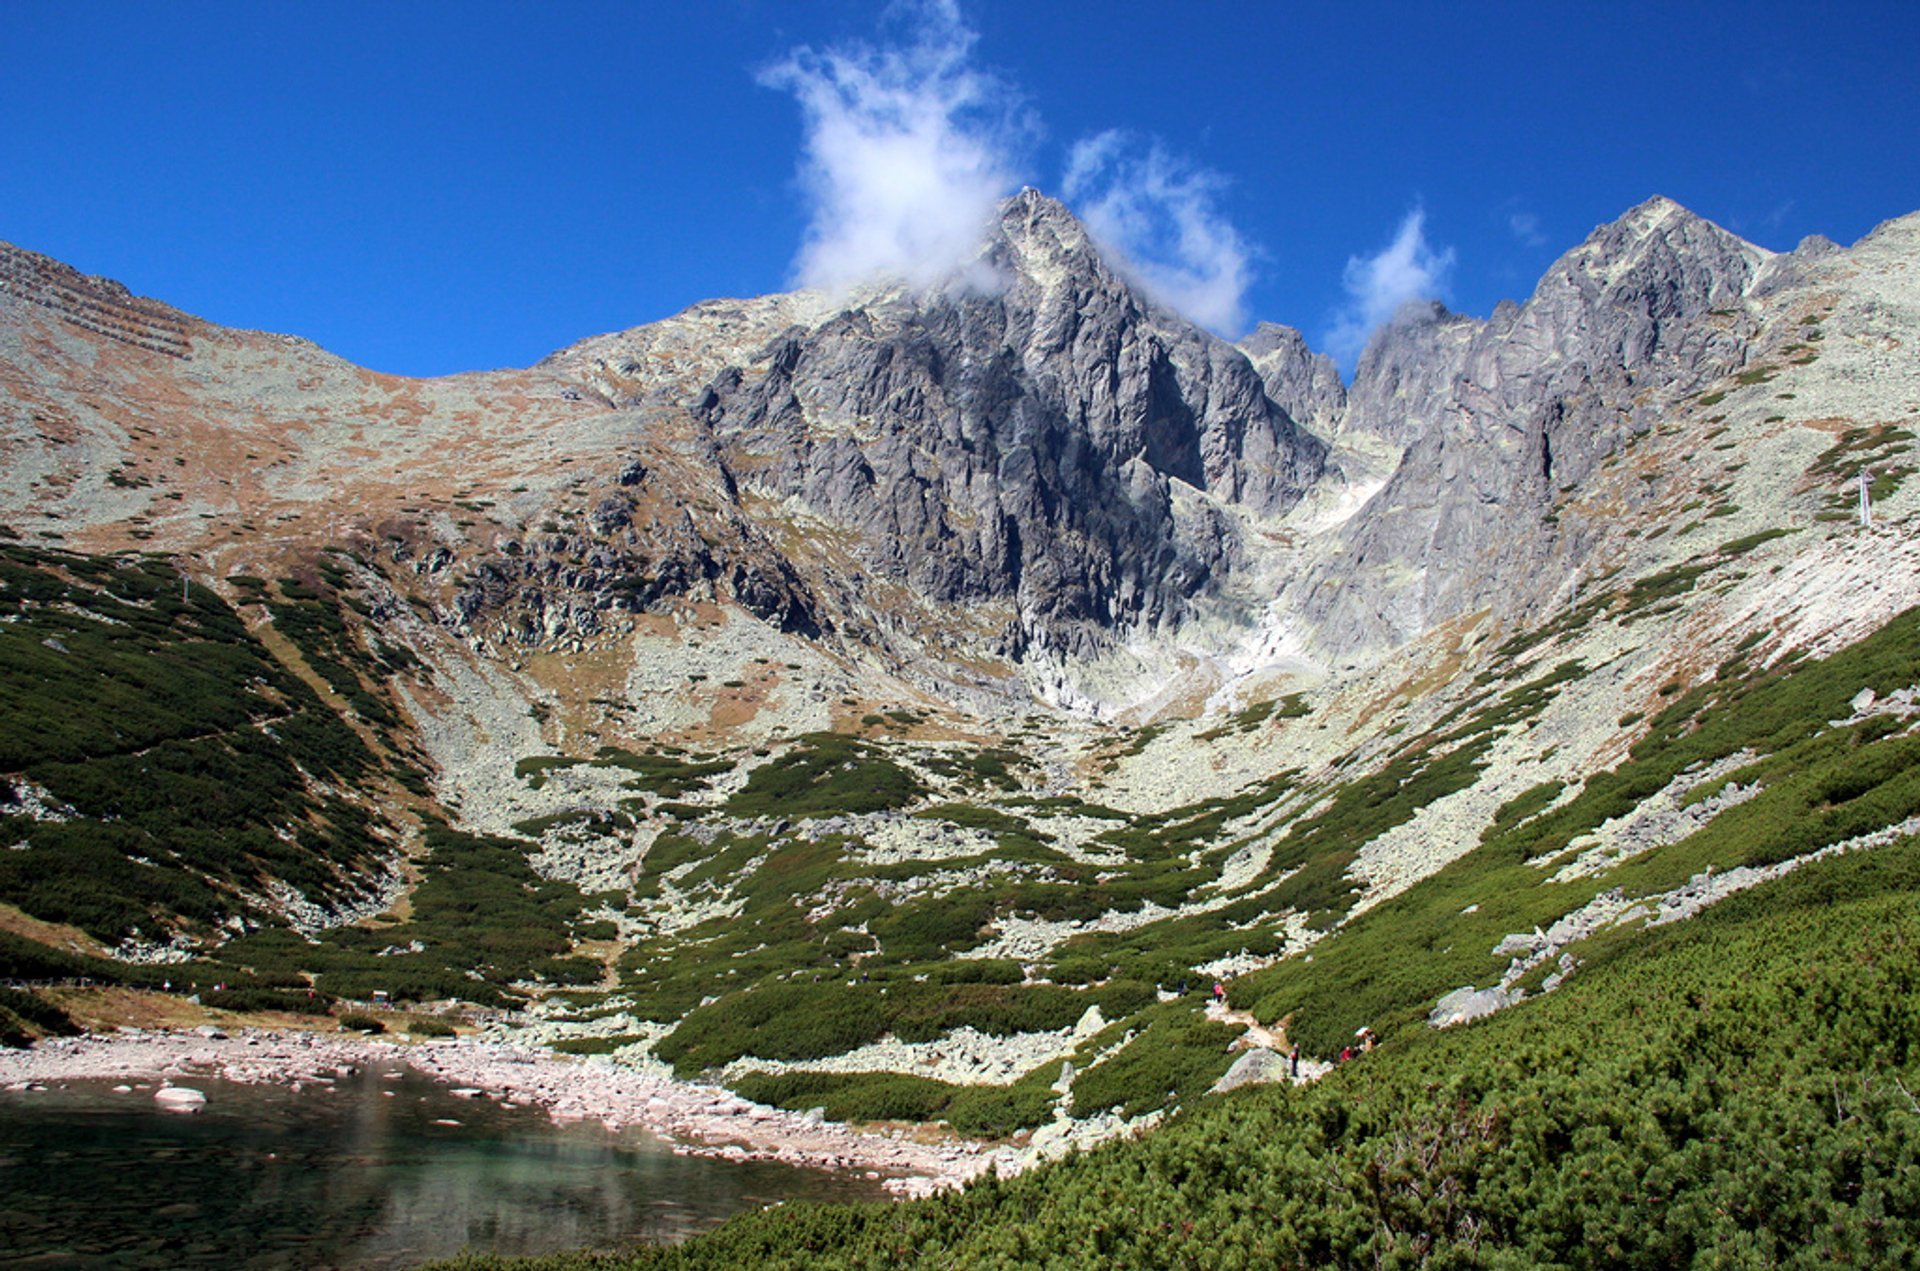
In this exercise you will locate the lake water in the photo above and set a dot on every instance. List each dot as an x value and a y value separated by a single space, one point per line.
357 1174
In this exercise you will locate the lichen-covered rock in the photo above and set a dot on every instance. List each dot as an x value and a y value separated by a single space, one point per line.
1467 1004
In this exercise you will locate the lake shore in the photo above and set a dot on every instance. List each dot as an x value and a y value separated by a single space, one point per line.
697 1119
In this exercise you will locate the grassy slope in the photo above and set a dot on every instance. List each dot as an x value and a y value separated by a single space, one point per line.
780 968
1734 1090
189 768
193 765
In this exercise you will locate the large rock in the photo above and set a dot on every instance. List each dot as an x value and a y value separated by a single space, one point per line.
180 1099
1468 1003
1256 1067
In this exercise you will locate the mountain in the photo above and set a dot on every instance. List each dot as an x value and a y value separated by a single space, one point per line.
900 702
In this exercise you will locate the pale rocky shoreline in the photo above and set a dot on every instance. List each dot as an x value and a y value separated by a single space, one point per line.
698 1120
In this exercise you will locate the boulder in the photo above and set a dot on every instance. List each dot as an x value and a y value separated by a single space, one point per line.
180 1099
1257 1067
1468 1003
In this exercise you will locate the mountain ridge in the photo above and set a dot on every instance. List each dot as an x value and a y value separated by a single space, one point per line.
1021 646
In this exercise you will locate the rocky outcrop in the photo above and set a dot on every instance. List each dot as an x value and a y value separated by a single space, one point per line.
1304 384
1256 1067
620 559
1502 418
1403 385
1018 444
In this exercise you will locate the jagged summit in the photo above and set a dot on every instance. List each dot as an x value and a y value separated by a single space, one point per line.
1047 474
1303 383
1661 245
1044 240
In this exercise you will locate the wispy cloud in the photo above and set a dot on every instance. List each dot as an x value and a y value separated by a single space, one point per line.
908 149
1377 285
1526 227
1160 218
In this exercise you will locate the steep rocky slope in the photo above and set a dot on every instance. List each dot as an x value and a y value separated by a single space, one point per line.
881 702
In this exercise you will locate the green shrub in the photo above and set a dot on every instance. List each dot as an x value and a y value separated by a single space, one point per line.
825 774
604 1045
776 1021
23 1016
877 1096
988 1111
1733 1091
998 1111
292 1002
428 1026
1175 1058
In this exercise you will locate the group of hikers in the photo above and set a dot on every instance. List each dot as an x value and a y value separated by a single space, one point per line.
1364 1039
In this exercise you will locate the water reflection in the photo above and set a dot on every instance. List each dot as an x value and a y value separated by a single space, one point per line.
360 1173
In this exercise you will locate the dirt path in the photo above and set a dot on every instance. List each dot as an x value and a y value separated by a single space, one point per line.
1274 1038
1257 1034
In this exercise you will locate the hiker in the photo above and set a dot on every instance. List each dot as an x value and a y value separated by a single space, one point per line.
1293 1061
1346 1054
1219 992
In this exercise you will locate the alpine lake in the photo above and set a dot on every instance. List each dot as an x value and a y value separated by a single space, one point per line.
384 1169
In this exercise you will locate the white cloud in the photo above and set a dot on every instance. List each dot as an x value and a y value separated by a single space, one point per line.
1157 216
1526 227
1405 269
908 151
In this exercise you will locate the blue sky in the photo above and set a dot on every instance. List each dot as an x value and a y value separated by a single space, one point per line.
427 188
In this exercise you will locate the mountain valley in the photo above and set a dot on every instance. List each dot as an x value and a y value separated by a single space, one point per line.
910 703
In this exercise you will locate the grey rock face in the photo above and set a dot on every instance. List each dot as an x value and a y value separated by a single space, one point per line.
1504 416
1464 1005
1026 451
565 584
1020 445
1256 1067
1402 385
1304 384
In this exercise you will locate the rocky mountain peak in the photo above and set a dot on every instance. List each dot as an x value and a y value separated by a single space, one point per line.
1043 230
1019 445
1500 419
1658 258
1048 263
1303 383
1402 383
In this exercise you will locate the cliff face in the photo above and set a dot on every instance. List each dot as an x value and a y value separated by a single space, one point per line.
1016 444
1501 418
1304 384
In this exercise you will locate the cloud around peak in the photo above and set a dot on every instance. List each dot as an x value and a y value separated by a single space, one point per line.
1160 217
909 145
1406 269
908 149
